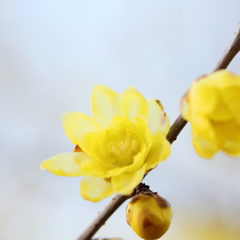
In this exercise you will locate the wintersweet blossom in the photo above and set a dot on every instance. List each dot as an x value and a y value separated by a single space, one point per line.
123 140
212 105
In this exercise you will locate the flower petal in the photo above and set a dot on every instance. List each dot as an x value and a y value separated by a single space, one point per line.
93 145
95 189
159 151
94 168
227 132
221 112
184 107
126 182
204 148
166 150
204 98
204 127
143 131
222 79
157 118
65 164
232 148
105 104
204 137
138 161
231 99
132 104
77 124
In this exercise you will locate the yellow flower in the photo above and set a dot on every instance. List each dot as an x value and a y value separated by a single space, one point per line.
212 105
149 215
123 139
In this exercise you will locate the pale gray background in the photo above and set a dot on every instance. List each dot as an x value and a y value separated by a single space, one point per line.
51 55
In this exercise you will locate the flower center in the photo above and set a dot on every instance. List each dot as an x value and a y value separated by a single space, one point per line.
122 142
125 148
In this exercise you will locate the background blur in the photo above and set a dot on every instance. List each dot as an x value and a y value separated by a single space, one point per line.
51 55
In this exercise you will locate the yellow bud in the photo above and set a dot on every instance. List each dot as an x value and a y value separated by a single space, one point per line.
149 215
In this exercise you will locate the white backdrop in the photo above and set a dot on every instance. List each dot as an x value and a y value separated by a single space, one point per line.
51 55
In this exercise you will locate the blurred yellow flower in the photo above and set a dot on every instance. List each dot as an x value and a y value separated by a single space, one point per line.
212 105
149 215
123 139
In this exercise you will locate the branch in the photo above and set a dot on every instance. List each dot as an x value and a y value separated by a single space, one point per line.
230 52
174 131
115 203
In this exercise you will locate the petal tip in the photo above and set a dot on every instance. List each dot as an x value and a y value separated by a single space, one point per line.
42 166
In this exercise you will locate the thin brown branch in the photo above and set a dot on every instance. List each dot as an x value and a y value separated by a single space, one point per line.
174 131
115 203
230 52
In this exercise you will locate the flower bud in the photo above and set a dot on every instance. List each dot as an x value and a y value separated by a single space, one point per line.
149 215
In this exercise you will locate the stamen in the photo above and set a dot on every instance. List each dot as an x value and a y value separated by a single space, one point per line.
115 150
124 148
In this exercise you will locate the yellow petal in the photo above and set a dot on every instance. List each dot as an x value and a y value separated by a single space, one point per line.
204 127
215 95
65 164
138 161
204 137
231 98
95 189
159 151
126 182
166 150
184 108
227 132
202 98
77 124
157 119
132 104
143 131
232 148
204 147
220 112
94 168
222 79
93 145
105 104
